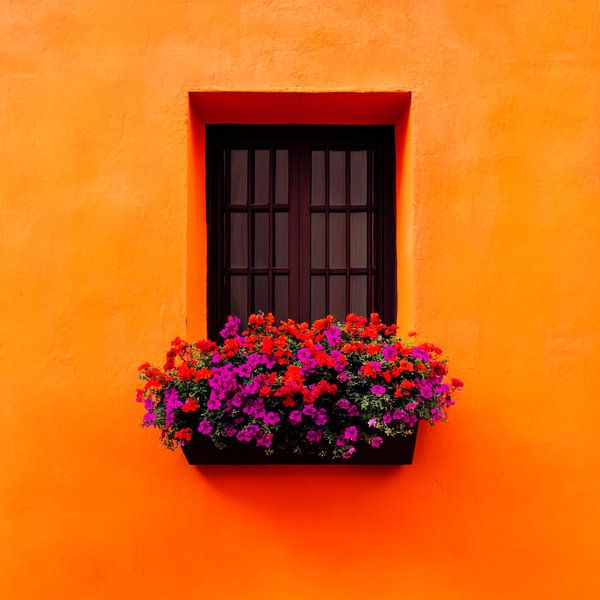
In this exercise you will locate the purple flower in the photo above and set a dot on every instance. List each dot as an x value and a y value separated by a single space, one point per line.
321 418
172 402
271 418
266 439
343 404
213 403
436 415
314 435
229 430
353 411
348 453
387 418
231 328
295 417
425 390
389 353
205 427
377 390
333 335
351 433
303 354
420 353
411 406
343 377
309 410
149 419
399 415
248 433
376 442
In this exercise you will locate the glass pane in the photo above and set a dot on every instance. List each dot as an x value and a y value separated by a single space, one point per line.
281 239
337 240
261 293
282 177
337 296
238 297
337 177
317 177
317 240
317 297
261 239
239 176
280 298
238 240
358 240
358 294
261 177
358 177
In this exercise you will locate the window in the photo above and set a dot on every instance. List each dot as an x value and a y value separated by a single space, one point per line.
301 221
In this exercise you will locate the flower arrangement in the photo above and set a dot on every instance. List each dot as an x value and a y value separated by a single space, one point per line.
322 389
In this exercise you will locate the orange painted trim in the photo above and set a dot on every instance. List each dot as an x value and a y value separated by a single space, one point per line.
294 108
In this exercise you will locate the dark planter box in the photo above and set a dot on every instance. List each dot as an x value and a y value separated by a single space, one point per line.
200 450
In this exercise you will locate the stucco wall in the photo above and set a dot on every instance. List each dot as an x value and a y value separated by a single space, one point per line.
504 185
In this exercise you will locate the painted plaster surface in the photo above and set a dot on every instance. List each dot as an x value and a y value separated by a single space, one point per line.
501 268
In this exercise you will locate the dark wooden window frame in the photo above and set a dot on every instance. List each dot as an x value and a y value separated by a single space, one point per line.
300 139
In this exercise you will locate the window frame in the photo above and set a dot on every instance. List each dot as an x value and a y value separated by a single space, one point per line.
379 137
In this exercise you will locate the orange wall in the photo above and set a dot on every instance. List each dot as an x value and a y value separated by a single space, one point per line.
501 266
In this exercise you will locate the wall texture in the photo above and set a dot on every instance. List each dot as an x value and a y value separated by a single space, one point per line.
504 155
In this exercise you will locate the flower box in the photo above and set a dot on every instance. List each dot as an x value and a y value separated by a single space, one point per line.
295 393
200 450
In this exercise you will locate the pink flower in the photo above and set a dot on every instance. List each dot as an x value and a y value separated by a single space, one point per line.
351 433
314 435
376 442
377 390
295 417
205 427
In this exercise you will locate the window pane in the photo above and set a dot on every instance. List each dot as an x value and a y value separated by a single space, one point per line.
358 240
358 294
317 297
337 296
238 297
282 177
281 239
358 177
337 240
337 177
261 177
281 297
317 240
239 176
239 241
261 239
261 293
317 177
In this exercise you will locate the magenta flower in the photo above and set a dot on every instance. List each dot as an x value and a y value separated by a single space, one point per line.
213 403
314 435
376 442
372 422
389 353
266 439
377 390
351 433
348 453
271 418
295 417
205 427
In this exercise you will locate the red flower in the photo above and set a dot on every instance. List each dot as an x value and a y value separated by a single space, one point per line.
184 434
190 405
